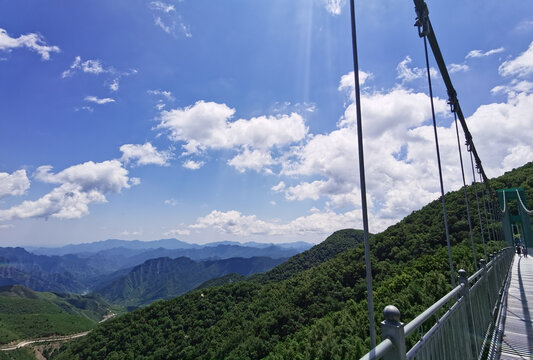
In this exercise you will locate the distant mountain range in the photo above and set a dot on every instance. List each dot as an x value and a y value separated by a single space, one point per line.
165 278
170 244
83 268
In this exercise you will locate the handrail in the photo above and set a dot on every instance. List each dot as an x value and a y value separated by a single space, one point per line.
420 319
379 351
485 289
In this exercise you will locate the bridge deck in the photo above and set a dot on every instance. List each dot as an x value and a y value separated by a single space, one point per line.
518 327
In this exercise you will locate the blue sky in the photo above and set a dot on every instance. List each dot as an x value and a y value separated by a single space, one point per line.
234 120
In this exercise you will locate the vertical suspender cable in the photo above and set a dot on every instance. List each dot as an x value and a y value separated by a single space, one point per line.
485 206
363 182
452 272
478 207
466 193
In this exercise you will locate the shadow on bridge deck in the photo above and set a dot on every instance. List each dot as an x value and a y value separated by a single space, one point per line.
518 327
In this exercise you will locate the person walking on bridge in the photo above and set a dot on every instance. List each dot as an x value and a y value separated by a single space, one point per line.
519 250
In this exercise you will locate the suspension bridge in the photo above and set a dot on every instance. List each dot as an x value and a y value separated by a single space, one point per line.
487 315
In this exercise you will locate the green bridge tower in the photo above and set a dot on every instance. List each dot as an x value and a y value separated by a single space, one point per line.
516 216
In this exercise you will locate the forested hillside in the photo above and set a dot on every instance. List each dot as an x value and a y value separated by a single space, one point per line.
164 278
314 313
25 313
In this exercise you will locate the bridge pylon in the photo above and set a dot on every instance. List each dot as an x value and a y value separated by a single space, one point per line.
516 219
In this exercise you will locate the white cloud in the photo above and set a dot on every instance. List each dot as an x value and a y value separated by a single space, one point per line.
520 66
32 41
193 165
13 184
235 223
347 82
114 85
334 7
171 202
6 226
481 53
455 68
161 6
99 101
207 125
177 232
505 132
130 233
159 22
145 154
166 94
168 19
88 66
80 185
251 160
407 74
279 187
514 87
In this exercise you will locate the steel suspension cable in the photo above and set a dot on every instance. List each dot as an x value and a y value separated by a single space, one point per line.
483 196
504 203
466 193
362 179
529 212
477 202
452 272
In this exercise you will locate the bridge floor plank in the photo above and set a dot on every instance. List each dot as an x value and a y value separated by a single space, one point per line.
518 326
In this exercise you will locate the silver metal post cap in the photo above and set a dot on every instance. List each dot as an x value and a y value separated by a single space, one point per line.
391 313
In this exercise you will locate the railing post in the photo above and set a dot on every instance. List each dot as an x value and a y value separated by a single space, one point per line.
392 328
465 293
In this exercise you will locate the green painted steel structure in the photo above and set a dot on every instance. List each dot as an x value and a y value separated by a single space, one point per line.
516 216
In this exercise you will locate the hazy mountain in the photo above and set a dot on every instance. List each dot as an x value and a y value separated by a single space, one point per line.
164 278
84 271
45 273
110 244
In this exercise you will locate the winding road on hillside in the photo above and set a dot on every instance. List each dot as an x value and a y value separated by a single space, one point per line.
51 338
48 339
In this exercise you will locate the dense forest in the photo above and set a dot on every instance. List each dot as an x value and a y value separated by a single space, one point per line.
28 314
314 307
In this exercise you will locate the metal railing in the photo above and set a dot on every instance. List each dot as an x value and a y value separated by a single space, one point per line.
461 323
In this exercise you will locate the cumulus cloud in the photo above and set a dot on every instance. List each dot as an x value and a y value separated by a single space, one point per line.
206 125
99 101
79 186
347 82
145 154
520 66
13 184
193 165
506 131
251 160
32 41
235 223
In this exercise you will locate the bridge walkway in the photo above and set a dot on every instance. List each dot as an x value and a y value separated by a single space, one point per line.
517 342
